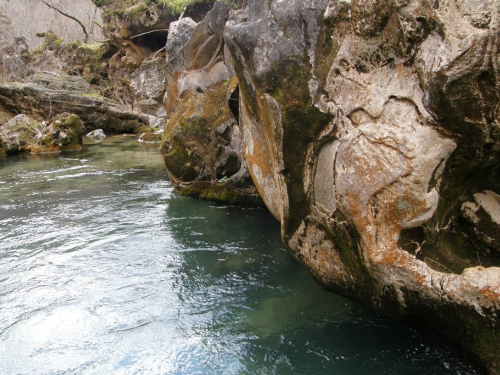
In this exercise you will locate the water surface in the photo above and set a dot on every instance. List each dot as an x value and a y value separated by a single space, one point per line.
105 269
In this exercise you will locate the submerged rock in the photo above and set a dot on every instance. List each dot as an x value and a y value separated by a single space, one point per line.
371 131
151 138
202 142
96 135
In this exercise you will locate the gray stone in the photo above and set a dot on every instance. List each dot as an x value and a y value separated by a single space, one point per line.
148 81
179 34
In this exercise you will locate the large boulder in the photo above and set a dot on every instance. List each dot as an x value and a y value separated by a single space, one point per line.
148 81
202 142
372 132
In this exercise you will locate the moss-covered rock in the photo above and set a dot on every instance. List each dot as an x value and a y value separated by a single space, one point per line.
64 133
79 60
61 133
21 133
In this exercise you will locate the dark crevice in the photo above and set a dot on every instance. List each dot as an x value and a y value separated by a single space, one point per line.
153 41
234 103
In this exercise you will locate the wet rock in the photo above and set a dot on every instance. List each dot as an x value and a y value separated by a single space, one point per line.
63 133
20 133
371 132
96 135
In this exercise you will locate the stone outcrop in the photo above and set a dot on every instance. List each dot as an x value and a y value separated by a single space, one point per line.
87 61
202 143
372 132
52 94
61 133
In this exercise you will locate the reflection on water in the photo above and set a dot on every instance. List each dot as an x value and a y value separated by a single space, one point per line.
105 269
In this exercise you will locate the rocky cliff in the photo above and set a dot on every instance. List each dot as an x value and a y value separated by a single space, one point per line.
370 129
203 140
372 132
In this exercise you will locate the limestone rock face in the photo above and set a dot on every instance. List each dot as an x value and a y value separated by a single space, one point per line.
125 19
372 132
137 29
202 142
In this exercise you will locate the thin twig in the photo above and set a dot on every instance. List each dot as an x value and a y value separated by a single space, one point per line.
182 14
439 264
147 32
157 52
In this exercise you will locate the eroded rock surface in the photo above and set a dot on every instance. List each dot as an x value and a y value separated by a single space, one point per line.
202 143
371 130
52 94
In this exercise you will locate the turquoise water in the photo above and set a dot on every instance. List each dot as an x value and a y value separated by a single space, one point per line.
105 269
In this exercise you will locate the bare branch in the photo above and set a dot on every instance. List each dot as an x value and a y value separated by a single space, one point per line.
57 9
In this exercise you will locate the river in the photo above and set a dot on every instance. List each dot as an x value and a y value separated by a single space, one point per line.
106 269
